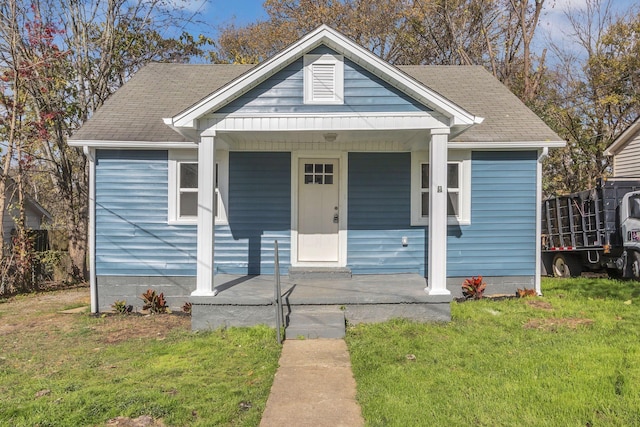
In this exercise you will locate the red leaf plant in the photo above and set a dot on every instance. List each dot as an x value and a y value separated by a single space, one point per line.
473 288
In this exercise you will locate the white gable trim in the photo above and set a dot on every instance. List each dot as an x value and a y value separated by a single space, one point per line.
621 141
342 45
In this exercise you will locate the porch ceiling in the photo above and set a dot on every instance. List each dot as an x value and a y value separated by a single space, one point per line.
405 138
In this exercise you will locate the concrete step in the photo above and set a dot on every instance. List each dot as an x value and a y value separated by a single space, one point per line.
315 322
319 273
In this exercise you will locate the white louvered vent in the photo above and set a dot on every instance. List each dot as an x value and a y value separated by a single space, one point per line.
323 84
323 79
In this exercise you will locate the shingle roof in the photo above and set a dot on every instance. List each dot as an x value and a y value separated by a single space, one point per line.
506 118
160 90
157 91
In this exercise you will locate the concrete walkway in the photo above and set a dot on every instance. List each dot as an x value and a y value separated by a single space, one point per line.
313 386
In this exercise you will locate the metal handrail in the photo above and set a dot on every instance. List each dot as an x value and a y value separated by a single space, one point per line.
277 294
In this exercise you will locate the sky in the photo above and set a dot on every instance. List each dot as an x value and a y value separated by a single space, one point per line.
216 13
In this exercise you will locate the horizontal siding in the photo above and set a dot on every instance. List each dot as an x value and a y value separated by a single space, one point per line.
259 213
627 161
501 240
132 234
284 93
379 215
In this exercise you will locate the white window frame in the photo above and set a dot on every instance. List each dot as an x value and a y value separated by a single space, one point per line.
176 157
460 157
337 62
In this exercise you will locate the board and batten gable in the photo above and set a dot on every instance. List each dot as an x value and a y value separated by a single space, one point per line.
284 93
626 163
499 242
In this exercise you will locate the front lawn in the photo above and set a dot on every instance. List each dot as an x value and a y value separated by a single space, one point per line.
569 358
78 370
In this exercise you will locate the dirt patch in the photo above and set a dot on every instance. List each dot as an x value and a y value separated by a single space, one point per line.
117 328
141 421
553 324
542 305
41 313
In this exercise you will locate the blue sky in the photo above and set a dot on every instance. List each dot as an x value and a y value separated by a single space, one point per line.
216 13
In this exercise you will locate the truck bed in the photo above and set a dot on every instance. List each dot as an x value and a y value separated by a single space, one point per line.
586 220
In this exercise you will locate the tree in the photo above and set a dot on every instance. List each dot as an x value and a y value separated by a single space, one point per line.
594 95
101 44
494 33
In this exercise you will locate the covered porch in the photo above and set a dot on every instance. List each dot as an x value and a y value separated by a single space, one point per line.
250 300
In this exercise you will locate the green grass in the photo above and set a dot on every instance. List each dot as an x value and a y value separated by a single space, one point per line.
570 358
197 379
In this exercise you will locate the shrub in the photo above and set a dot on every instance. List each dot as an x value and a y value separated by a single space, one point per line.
187 307
473 288
121 307
154 302
522 293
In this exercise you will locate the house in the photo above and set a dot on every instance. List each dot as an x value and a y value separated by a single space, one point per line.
35 216
355 166
625 150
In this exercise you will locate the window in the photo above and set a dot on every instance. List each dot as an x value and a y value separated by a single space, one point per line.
187 190
453 188
183 186
318 173
458 188
323 79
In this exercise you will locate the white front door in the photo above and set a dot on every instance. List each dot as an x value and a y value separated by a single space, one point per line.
318 210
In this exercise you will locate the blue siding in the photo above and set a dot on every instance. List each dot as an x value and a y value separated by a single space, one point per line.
379 215
284 93
259 213
501 240
132 235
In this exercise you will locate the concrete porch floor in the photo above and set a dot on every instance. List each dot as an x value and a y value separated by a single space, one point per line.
249 300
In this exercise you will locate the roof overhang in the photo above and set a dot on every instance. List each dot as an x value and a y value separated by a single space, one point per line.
324 35
131 144
623 139
511 145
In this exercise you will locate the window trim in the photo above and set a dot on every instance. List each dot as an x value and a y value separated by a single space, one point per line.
324 59
463 159
176 157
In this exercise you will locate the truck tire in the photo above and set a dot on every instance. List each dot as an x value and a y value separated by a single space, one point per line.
634 264
565 266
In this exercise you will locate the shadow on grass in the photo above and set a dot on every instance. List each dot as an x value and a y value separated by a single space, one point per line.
597 288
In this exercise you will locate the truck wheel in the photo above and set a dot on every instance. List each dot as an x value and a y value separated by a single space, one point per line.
634 265
565 266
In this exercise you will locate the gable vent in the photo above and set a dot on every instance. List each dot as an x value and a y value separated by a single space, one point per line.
323 83
323 79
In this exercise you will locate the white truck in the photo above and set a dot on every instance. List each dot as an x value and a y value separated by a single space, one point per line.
593 230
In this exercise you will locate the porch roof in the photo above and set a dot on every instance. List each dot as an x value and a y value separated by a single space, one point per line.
133 116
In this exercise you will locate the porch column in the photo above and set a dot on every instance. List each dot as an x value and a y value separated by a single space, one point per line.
438 200
206 216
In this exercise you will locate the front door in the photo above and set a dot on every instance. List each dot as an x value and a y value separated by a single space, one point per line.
318 210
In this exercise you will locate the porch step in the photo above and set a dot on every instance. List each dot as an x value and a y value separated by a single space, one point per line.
316 322
314 273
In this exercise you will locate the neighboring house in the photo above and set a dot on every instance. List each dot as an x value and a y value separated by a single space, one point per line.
35 214
349 162
626 152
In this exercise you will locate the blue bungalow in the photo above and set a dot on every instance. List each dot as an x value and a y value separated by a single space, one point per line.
415 176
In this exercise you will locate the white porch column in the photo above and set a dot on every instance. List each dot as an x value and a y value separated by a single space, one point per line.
206 216
438 200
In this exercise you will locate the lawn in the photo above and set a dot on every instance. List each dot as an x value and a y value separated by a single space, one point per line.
79 370
569 358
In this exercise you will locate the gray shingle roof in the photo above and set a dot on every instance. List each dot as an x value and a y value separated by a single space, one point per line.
135 111
157 91
506 118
